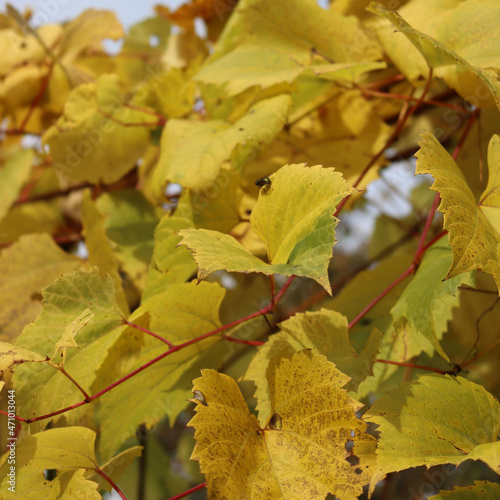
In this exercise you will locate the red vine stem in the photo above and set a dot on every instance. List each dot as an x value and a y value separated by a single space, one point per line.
410 365
422 247
74 382
111 482
395 134
482 353
265 310
375 301
188 492
401 97
465 133
242 341
149 332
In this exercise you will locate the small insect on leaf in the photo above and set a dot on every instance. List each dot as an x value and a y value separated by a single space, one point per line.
263 181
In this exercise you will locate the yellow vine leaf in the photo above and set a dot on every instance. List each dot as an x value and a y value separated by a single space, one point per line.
481 489
193 153
266 44
422 423
180 313
298 235
473 238
68 450
78 296
11 355
98 138
100 251
13 174
467 62
301 452
27 266
322 331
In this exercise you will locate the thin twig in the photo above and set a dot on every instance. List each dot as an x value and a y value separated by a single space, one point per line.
188 492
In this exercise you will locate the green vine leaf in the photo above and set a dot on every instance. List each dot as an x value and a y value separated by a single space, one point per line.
42 389
473 238
181 313
427 301
299 237
421 423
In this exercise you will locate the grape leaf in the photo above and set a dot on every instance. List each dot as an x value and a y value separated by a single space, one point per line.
42 389
345 134
99 247
98 139
68 337
25 268
67 450
490 199
473 238
465 62
267 44
129 221
181 313
427 292
422 423
88 30
170 264
115 467
481 489
299 237
193 152
13 175
10 355
324 332
300 453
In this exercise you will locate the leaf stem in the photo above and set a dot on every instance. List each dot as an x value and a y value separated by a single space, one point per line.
395 134
482 353
174 348
401 97
74 382
111 482
465 133
149 332
430 216
273 292
242 341
411 365
410 270
188 492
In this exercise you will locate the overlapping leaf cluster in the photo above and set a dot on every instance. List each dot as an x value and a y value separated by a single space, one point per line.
137 249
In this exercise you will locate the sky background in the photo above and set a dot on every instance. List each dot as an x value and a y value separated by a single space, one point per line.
128 11
56 11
